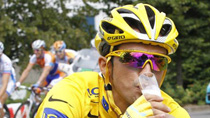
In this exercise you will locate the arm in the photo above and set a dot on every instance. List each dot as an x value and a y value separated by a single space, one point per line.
70 57
5 80
45 72
26 72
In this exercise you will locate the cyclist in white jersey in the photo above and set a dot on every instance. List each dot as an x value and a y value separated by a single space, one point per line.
7 78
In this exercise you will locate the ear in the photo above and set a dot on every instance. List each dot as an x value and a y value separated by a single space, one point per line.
102 64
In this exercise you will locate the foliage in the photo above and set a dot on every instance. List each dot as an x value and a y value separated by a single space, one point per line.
23 21
194 94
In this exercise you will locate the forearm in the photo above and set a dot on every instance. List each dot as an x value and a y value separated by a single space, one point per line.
44 75
5 80
23 76
3 90
42 78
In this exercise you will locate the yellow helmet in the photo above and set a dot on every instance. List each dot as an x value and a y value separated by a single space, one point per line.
141 23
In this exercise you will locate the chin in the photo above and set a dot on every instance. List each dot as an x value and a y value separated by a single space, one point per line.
134 99
137 93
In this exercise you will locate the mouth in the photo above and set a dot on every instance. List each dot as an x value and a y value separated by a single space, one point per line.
138 89
137 86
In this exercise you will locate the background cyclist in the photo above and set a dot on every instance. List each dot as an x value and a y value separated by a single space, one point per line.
46 60
62 54
7 78
64 57
133 41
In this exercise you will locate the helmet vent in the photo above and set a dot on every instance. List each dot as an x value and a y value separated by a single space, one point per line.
132 20
151 16
166 28
111 28
123 11
135 24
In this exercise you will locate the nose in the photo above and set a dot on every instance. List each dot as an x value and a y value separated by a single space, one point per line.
147 68
35 51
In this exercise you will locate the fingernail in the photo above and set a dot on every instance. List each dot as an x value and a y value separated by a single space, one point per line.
169 109
162 116
161 98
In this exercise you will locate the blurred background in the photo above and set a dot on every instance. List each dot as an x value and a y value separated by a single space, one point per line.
76 22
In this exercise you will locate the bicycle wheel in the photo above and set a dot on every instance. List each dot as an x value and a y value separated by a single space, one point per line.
23 110
6 111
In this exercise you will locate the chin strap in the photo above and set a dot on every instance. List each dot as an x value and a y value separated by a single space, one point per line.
162 79
108 88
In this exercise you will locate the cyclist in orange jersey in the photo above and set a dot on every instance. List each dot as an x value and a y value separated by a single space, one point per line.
46 60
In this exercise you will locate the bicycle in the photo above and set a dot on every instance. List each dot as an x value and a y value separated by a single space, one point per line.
28 108
6 111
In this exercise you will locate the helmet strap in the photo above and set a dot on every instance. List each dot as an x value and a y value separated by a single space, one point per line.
111 49
162 79
109 92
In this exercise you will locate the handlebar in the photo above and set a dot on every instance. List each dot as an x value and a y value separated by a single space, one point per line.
34 89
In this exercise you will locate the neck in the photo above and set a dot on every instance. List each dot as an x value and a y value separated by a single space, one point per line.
119 101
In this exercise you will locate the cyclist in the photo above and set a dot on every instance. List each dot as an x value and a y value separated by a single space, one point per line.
135 40
46 60
64 57
62 54
7 78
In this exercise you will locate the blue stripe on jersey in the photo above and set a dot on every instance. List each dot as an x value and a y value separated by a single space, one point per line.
13 78
52 113
54 69
51 64
7 71
7 93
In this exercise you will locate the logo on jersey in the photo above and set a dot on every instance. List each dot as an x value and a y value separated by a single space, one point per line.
52 113
105 104
92 116
93 91
58 100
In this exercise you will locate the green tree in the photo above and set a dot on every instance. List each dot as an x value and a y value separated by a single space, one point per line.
23 21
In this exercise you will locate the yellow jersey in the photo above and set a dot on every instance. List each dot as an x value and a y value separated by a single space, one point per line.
83 95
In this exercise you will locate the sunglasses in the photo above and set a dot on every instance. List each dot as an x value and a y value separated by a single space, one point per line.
58 51
138 59
37 50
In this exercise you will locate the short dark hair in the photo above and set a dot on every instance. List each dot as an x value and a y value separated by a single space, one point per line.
105 48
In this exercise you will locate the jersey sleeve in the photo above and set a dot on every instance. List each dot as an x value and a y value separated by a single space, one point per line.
176 110
32 59
65 100
7 67
48 60
180 112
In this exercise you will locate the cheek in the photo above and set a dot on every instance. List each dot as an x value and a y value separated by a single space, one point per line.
158 76
123 75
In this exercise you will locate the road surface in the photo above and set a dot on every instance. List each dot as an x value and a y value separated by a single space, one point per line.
200 114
